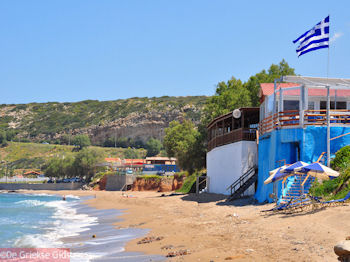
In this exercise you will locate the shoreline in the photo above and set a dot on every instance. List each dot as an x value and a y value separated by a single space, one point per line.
210 230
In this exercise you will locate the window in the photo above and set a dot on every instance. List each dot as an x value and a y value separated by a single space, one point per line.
340 105
290 105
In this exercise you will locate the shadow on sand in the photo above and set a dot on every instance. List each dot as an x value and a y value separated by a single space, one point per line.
288 214
220 199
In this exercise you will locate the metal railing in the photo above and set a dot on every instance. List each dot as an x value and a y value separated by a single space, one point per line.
309 117
241 180
247 134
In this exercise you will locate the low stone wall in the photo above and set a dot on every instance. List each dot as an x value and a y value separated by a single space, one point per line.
117 182
53 186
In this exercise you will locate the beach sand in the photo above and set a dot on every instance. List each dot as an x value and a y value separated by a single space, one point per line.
212 230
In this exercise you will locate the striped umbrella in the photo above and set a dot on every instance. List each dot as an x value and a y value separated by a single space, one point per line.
276 175
318 170
294 167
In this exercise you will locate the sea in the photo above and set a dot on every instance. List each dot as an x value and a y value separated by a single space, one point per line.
47 221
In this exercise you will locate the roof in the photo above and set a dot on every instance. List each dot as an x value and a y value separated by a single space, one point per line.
243 109
319 82
161 158
32 172
267 89
132 161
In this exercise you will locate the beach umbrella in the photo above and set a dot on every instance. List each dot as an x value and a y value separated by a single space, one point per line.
276 175
294 167
318 170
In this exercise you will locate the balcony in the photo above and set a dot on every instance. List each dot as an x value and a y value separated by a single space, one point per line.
295 118
226 129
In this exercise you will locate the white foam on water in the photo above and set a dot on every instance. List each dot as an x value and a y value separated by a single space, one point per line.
66 222
72 196
84 257
38 194
30 203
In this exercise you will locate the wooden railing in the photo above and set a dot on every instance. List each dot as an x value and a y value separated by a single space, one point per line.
310 117
247 134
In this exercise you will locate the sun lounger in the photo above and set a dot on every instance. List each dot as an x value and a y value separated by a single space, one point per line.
338 201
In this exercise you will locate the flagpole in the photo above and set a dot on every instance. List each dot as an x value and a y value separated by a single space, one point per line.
328 108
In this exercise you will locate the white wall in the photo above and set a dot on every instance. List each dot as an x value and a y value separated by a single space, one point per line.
227 163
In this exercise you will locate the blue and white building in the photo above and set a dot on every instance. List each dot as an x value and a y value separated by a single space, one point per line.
293 124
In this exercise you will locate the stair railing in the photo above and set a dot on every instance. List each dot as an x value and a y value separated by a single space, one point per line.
241 180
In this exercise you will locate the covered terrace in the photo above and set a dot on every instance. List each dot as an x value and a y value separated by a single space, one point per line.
228 129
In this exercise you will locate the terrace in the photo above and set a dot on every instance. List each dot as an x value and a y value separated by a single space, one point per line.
227 129
304 103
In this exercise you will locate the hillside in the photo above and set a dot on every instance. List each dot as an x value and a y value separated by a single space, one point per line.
29 156
134 118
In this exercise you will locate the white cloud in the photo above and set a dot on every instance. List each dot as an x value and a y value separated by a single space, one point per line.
336 36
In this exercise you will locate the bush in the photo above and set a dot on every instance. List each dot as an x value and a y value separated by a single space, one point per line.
81 141
100 175
333 189
342 158
155 177
153 147
189 184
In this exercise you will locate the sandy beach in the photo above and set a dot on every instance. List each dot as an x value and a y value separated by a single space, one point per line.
209 229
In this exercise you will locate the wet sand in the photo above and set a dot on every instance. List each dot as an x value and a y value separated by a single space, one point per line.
209 229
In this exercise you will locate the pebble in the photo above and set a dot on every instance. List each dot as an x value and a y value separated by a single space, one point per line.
298 242
249 250
149 240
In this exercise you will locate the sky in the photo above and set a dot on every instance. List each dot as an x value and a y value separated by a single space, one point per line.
66 51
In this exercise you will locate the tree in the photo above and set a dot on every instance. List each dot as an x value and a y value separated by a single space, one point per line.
85 163
274 72
10 134
130 153
235 94
153 147
81 141
60 167
228 96
3 140
181 141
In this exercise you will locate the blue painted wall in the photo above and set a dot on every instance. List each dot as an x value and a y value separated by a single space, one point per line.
284 143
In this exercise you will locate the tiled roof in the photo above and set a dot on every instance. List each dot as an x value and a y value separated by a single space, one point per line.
267 89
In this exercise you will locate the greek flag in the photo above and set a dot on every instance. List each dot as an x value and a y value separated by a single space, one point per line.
316 38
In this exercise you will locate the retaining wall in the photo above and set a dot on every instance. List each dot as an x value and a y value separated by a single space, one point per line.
117 182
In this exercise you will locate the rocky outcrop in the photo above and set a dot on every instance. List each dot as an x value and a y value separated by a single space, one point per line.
134 118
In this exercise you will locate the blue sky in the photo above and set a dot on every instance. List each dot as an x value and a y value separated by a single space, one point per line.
63 50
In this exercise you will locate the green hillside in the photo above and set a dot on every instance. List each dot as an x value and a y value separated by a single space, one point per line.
49 121
34 156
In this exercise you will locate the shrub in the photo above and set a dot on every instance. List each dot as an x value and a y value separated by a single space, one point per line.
333 189
155 177
342 158
189 183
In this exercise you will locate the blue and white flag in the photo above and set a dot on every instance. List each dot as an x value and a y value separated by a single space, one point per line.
316 38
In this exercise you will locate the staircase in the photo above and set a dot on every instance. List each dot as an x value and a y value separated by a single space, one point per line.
238 187
294 189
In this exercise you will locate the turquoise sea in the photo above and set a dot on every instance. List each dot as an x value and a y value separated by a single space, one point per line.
44 221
